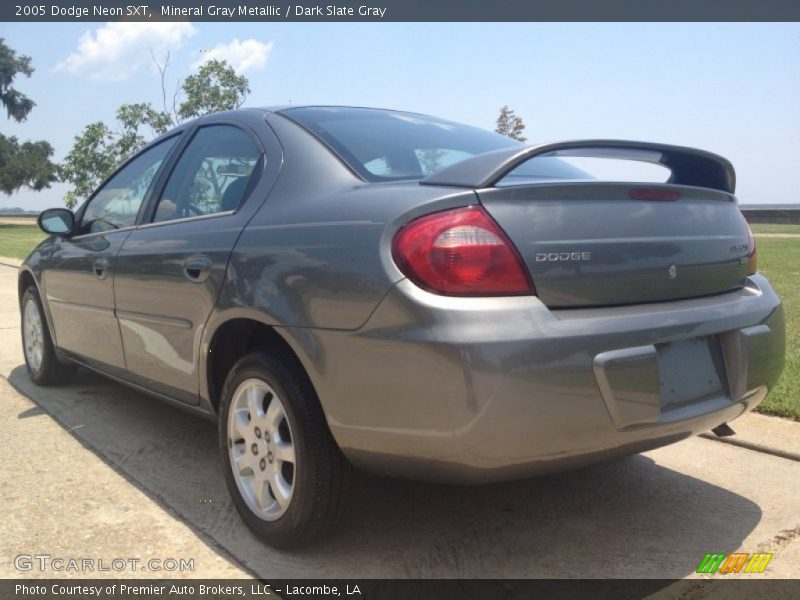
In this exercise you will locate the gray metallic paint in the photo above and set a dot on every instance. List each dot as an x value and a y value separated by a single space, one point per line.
688 166
492 388
81 305
632 243
161 339
414 384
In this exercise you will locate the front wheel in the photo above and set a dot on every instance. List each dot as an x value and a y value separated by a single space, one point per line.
41 361
287 477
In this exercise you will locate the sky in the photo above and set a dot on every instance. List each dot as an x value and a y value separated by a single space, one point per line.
730 88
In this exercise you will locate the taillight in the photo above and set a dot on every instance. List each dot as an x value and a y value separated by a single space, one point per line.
654 194
461 252
752 260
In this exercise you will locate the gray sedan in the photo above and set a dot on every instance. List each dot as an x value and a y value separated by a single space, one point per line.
351 287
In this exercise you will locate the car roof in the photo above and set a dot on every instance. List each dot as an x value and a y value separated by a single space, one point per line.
282 107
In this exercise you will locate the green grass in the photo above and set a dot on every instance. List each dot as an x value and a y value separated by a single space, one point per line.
778 259
17 241
774 228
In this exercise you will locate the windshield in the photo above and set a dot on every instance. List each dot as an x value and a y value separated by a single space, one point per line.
384 145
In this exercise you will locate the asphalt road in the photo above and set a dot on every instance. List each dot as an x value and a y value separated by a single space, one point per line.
96 470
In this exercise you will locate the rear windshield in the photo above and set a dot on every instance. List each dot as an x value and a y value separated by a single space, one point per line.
383 145
544 169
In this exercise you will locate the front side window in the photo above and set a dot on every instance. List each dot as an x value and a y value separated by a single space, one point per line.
117 203
211 175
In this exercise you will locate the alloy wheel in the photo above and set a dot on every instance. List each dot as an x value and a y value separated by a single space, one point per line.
33 335
261 449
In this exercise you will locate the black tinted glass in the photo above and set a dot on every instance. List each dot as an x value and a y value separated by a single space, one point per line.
388 145
117 203
211 175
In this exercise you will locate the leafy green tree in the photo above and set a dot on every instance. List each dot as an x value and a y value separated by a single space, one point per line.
99 148
509 124
94 155
215 87
21 163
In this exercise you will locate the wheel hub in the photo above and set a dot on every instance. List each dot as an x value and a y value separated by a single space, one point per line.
33 335
261 449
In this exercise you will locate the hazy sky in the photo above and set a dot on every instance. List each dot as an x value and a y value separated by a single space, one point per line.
733 89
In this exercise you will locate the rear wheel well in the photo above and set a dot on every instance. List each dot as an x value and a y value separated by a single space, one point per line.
232 341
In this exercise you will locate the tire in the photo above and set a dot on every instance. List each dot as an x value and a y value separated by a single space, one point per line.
41 360
256 457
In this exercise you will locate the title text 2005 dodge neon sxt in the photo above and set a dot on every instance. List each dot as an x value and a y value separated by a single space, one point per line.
415 297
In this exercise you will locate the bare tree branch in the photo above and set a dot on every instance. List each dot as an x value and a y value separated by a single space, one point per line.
176 97
162 70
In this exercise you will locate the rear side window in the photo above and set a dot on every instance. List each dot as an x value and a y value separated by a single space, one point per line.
211 175
383 145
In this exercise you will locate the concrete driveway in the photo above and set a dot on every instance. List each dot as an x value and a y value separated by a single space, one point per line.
94 469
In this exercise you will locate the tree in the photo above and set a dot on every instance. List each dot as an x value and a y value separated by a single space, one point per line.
98 149
509 124
429 159
215 87
21 163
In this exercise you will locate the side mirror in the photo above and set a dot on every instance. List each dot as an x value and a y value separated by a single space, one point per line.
56 221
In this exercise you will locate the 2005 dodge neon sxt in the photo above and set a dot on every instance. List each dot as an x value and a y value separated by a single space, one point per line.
411 296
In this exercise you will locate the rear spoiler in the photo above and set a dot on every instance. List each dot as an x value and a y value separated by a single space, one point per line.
688 166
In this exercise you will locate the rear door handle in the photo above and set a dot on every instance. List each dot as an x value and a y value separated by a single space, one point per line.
197 269
100 268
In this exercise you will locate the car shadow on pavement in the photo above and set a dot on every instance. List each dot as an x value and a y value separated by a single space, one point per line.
629 518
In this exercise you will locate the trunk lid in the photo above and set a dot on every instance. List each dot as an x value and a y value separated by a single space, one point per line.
593 244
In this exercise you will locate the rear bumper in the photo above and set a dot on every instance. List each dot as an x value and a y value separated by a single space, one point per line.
478 390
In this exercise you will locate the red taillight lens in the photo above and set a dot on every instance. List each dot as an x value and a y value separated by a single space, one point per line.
752 260
460 252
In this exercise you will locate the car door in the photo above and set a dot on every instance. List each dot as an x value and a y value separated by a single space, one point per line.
170 271
78 280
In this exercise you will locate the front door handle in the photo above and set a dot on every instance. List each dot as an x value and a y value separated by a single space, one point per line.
197 269
100 268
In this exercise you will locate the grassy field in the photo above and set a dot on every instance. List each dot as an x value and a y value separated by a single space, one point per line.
774 228
17 241
778 259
